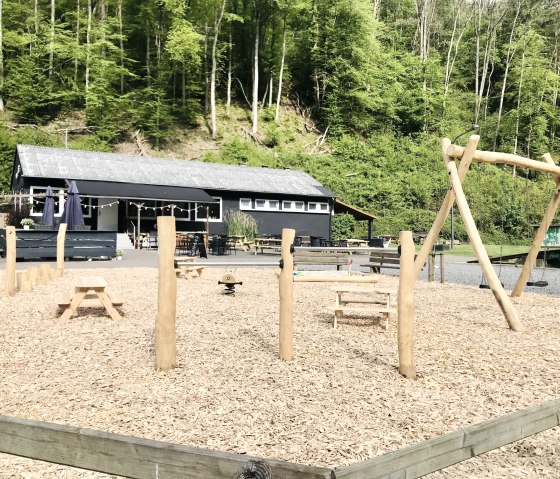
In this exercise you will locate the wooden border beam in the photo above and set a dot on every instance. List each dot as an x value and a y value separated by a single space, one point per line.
498 158
464 164
539 236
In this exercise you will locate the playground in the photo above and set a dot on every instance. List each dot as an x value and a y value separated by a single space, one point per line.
339 402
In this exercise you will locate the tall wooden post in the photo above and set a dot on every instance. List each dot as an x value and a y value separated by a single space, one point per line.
433 234
431 267
493 281
441 268
60 239
10 260
539 236
405 298
286 285
166 348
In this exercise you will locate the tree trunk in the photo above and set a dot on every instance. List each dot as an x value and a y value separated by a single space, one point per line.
509 58
206 81
1 56
518 116
88 48
77 42
230 48
148 59
256 75
217 23
121 42
280 75
51 46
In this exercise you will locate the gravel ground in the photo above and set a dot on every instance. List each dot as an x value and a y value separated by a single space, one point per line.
340 401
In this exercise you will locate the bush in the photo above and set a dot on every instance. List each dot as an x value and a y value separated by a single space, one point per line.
239 223
343 226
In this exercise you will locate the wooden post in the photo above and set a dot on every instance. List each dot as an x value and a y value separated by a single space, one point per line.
10 260
33 272
19 280
166 347
26 283
441 265
46 271
539 236
493 281
433 234
60 239
431 267
286 285
405 300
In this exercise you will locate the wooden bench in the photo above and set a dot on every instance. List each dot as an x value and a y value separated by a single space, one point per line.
183 268
380 298
383 258
320 258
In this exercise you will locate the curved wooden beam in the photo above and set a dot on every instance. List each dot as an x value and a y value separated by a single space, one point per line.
498 158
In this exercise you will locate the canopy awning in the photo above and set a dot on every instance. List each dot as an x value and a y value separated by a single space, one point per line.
135 191
360 215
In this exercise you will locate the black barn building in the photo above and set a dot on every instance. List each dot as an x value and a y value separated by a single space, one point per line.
116 189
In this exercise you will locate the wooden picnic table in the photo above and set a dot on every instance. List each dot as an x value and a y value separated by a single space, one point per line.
90 287
267 243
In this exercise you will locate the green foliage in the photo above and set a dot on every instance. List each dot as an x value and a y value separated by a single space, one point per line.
343 226
238 223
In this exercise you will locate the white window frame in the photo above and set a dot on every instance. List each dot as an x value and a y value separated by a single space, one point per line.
267 206
57 193
189 212
242 207
210 220
292 206
318 205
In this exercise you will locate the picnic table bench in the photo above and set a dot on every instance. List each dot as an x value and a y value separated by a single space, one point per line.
92 287
383 258
184 269
336 258
381 299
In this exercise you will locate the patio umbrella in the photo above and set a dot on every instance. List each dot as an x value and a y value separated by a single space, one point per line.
48 211
72 214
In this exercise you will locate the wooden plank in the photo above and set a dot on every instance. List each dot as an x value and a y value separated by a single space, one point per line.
511 427
131 456
336 279
350 309
443 451
397 462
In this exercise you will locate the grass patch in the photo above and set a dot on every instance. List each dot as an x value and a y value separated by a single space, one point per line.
466 249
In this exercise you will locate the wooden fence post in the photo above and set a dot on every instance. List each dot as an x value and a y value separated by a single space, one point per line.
60 239
441 268
405 299
286 285
10 260
166 347
431 266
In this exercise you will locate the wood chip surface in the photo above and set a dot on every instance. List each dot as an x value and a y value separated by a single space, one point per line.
339 402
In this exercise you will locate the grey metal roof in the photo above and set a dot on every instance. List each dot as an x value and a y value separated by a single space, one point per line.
59 163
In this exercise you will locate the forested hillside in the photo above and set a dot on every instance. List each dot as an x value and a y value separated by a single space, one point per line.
356 92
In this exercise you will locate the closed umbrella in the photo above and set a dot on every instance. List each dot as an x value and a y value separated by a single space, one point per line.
48 211
72 214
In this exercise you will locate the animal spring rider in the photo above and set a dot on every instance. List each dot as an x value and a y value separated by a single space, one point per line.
229 280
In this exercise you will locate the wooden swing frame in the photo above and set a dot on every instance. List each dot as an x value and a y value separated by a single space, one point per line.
455 193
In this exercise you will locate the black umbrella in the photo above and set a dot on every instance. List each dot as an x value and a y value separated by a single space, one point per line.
72 214
48 210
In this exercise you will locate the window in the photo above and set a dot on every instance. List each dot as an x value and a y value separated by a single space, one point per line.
38 203
269 205
318 207
182 211
214 210
293 205
245 203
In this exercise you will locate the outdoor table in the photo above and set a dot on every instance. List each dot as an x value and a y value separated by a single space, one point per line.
89 288
356 242
267 243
